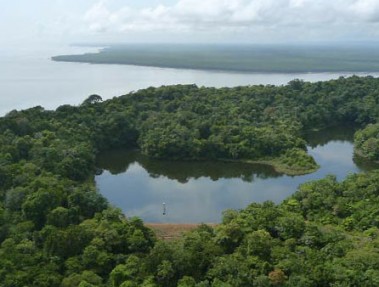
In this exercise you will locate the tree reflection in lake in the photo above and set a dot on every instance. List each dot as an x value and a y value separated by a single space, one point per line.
118 161
323 137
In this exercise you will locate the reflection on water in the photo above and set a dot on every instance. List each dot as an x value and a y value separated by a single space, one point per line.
119 161
322 137
200 191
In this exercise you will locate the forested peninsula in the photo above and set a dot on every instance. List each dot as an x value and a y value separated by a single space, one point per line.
238 58
57 230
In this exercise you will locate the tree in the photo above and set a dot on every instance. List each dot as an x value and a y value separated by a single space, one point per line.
92 99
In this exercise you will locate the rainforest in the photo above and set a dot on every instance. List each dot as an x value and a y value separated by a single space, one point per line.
56 229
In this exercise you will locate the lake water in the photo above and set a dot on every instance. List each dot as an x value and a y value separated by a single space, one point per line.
29 78
195 192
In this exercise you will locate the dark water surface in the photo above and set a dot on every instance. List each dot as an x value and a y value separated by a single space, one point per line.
195 192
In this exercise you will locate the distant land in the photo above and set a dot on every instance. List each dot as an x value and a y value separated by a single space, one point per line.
238 58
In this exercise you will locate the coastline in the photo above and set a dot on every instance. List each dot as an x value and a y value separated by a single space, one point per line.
363 72
172 231
277 166
358 152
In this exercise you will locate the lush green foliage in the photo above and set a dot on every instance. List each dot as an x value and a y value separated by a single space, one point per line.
367 142
56 230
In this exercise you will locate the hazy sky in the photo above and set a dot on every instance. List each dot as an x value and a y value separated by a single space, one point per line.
36 22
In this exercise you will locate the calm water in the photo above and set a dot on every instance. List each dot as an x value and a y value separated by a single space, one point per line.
29 78
200 191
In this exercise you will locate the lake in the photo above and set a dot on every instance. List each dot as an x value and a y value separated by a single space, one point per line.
29 78
195 192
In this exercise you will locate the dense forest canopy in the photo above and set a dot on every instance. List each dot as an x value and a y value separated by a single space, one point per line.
57 230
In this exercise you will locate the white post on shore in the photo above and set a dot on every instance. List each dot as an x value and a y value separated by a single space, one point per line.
164 208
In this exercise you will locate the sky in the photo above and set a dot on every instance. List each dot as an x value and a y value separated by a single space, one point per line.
41 22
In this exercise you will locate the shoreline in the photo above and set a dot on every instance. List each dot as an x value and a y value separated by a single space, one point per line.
358 152
217 70
171 231
274 163
277 166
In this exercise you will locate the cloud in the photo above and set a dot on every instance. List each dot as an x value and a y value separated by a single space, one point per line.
100 19
366 10
234 16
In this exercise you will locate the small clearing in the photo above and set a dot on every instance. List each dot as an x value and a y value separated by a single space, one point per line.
170 231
